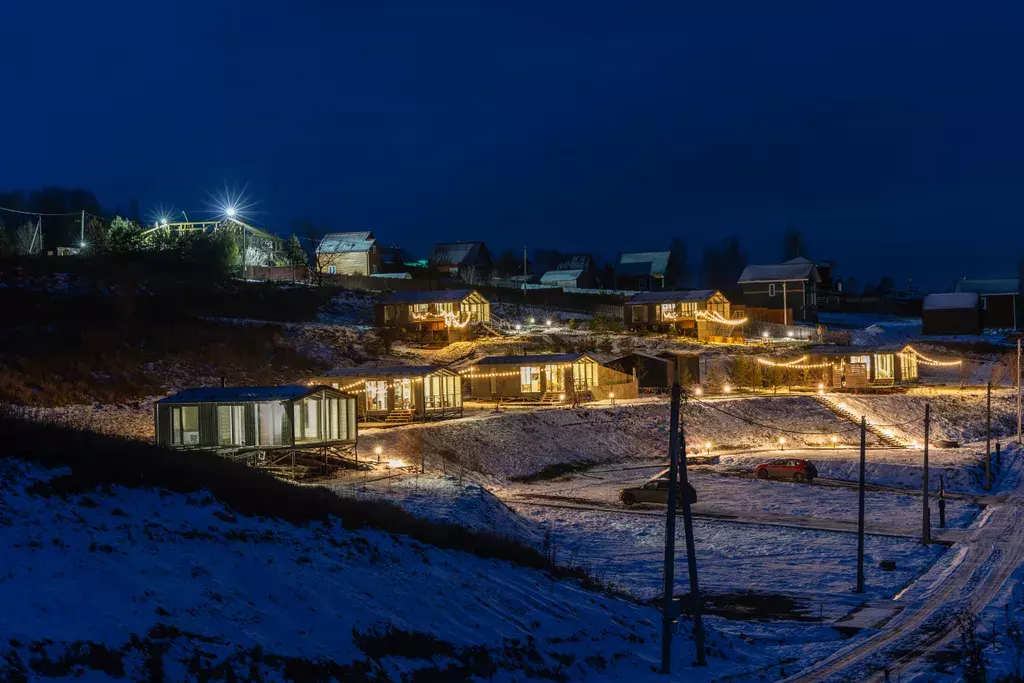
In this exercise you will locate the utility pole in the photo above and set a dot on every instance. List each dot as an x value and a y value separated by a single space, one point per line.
1020 403
860 508
670 537
988 437
81 238
942 501
525 266
691 553
785 310
926 513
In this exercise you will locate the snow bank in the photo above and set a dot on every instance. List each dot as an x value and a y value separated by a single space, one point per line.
519 444
125 582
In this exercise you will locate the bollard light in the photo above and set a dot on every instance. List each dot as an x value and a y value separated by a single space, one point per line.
835 440
378 450
726 388
697 391
707 448
531 321
548 323
782 443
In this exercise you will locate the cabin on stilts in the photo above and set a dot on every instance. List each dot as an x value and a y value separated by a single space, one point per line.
458 312
296 430
400 394
549 378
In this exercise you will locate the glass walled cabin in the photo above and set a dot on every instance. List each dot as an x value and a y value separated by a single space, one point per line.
428 391
256 418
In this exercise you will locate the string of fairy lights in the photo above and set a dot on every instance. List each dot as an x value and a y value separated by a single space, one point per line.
717 317
803 362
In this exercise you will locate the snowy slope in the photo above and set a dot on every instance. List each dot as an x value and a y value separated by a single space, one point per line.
136 583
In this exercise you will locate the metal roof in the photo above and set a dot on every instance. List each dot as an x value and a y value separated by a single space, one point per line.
455 253
389 371
289 392
429 297
530 360
576 262
560 276
643 263
794 270
672 297
1006 285
346 242
957 300
640 354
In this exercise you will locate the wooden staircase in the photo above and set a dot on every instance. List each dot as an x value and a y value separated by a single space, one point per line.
552 398
400 417
887 438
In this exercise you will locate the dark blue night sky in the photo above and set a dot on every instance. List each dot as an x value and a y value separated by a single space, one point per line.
887 131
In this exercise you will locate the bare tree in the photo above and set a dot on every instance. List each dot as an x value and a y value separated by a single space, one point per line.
28 238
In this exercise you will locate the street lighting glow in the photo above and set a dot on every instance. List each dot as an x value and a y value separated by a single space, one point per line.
378 450
707 447
727 388
782 443
518 327
230 211
548 323
764 334
532 321
697 391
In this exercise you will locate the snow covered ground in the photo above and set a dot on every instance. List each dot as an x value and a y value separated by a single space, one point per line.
138 583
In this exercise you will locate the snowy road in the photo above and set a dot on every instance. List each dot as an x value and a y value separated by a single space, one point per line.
968 578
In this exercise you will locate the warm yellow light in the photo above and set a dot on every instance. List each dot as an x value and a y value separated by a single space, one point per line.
698 391
708 445
378 450
531 321
835 438
782 439
561 397
548 323
821 385
611 394
726 388
764 334
393 464
821 392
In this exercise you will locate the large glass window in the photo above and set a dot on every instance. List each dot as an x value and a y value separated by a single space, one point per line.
403 394
376 396
908 366
555 377
584 374
883 366
308 420
639 314
529 379
185 426
231 425
862 360
273 420
667 312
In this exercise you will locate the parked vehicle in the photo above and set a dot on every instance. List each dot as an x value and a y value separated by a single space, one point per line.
655 490
787 468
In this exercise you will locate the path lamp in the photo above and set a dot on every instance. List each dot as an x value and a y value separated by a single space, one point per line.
377 451
782 443
707 448
835 440
698 390
726 388
611 395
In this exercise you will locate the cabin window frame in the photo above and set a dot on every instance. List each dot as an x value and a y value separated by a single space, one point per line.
235 423
178 424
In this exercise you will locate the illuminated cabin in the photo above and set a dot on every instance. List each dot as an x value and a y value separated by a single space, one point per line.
433 310
861 367
261 424
701 313
550 378
400 393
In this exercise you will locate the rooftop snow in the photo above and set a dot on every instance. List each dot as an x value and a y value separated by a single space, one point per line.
673 297
938 302
241 394
643 263
801 269
346 242
1007 285
560 276
455 253
428 297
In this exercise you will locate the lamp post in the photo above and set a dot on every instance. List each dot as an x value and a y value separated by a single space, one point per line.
782 443
377 451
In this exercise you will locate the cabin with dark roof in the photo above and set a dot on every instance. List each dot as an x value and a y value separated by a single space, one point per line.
997 299
400 394
644 270
468 260
309 426
442 309
783 293
657 372
549 378
700 313
861 367
348 253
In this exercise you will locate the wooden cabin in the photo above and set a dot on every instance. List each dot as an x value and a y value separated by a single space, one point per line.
659 372
997 299
550 378
434 310
261 424
644 270
862 367
781 293
470 261
956 313
701 313
348 253
400 394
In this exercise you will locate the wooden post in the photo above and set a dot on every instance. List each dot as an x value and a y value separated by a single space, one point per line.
670 536
691 553
1020 402
926 526
942 502
988 436
860 508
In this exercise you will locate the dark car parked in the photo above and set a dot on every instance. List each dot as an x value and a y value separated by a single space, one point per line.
655 490
787 468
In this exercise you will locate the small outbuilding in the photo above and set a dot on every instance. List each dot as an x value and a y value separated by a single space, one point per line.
400 394
549 378
659 372
262 425
997 299
348 253
954 313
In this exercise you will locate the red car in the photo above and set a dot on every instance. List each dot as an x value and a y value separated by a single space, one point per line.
786 468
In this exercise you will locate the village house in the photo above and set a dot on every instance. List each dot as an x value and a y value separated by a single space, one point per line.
400 394
548 378
644 271
575 272
951 313
701 313
348 253
468 260
658 372
856 368
997 299
784 293
442 309
311 426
